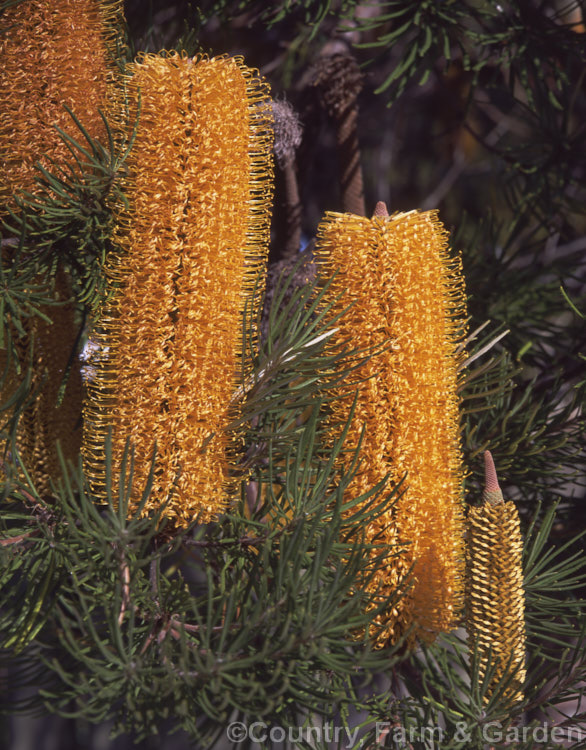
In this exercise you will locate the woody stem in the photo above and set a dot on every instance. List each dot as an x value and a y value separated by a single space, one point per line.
349 151
292 211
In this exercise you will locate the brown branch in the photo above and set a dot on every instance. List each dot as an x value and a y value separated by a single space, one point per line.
293 212
339 82
125 575
288 134
16 539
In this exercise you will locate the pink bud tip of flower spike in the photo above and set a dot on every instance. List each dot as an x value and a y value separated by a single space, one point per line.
492 491
380 209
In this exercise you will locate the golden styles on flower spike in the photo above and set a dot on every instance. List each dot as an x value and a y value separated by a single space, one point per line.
53 53
192 241
408 300
495 598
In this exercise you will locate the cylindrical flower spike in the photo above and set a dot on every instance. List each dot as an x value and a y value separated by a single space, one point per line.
495 599
407 297
192 241
53 53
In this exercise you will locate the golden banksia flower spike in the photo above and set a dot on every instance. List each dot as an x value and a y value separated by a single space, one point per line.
53 53
409 301
192 241
495 599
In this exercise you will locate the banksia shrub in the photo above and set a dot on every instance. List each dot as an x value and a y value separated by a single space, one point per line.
408 308
191 240
495 599
53 54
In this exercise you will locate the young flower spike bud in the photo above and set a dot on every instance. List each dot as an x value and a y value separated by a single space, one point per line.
495 600
408 306
192 240
53 54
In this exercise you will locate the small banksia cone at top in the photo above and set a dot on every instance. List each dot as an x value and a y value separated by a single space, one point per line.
408 298
495 599
192 241
53 53
288 135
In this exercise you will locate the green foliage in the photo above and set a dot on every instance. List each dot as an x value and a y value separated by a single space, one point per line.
239 616
426 31
69 220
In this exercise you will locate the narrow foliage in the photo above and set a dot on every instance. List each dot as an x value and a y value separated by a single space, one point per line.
408 299
191 244
54 403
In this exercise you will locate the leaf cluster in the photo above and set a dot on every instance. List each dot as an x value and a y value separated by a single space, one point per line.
527 403
68 220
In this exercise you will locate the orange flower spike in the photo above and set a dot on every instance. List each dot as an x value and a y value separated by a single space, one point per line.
192 242
53 53
495 598
409 298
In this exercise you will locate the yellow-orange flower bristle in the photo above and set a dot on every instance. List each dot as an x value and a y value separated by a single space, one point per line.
495 598
408 297
53 53
48 418
192 241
